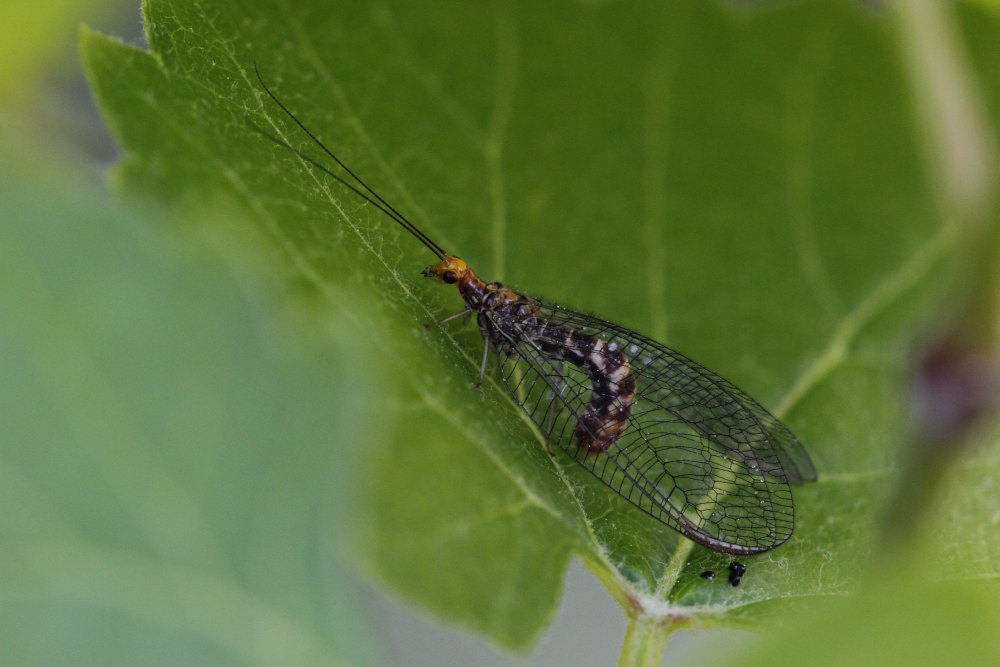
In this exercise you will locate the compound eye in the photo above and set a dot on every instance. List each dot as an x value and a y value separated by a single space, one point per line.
449 277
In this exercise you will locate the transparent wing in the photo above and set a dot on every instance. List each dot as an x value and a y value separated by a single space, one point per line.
696 453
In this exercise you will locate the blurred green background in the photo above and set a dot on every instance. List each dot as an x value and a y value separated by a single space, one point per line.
205 445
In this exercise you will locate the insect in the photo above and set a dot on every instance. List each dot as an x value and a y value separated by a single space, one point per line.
669 436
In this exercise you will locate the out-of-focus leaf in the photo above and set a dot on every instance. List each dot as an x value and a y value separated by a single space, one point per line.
39 35
175 448
897 621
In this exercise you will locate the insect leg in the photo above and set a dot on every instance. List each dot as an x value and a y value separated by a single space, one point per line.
447 319
482 367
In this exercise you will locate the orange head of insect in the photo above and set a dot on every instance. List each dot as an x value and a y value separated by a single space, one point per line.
449 270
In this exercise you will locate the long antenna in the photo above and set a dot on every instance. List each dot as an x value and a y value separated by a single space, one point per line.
378 202
322 167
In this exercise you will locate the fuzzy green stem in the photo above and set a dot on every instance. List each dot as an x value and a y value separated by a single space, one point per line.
644 640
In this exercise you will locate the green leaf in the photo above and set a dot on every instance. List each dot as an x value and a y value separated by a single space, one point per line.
166 457
745 186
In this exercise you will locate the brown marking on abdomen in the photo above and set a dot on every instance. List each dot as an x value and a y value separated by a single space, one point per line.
604 419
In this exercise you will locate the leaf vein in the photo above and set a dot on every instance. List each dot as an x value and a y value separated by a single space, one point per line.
884 294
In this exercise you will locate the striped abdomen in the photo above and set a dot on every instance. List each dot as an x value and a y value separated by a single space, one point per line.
603 420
